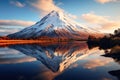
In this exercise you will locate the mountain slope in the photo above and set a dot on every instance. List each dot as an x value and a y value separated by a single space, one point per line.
55 24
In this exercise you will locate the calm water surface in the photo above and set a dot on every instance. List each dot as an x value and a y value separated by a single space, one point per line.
63 61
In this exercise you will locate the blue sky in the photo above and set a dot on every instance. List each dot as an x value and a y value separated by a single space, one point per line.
99 14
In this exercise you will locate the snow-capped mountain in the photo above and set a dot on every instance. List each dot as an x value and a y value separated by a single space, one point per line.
55 24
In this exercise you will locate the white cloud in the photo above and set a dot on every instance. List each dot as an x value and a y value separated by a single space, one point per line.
5 30
15 23
12 26
45 6
106 1
17 3
93 18
103 22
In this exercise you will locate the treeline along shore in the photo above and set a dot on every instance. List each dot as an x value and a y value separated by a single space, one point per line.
108 41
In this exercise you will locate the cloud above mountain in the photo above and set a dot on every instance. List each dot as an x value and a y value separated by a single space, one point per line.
11 26
45 6
102 22
16 23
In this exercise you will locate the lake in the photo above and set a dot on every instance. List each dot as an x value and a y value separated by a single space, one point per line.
62 61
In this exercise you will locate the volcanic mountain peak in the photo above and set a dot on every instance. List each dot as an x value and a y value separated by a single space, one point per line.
56 19
55 24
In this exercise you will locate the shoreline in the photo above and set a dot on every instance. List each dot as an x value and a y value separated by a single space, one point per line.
41 42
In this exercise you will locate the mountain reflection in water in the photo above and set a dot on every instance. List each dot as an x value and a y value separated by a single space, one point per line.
61 61
56 57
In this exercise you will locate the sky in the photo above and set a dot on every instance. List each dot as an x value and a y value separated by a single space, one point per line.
102 15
